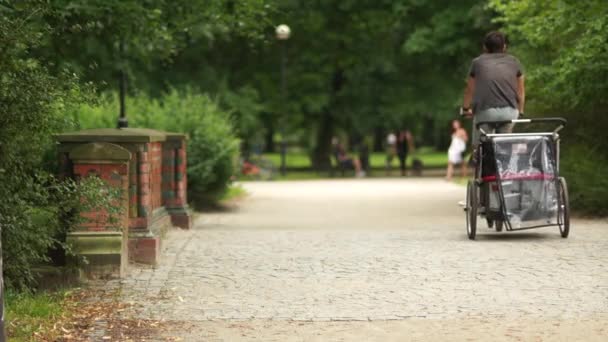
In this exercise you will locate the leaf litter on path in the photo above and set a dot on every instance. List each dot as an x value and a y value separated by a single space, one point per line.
98 314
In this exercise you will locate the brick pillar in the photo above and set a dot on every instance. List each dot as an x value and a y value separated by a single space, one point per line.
103 245
148 226
175 181
168 173
181 186
143 174
156 182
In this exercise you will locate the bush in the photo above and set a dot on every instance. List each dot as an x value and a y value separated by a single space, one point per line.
566 70
31 100
587 185
40 217
212 144
36 209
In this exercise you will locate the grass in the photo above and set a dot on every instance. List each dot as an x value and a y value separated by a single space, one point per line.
235 191
293 159
429 160
299 166
293 175
429 157
28 314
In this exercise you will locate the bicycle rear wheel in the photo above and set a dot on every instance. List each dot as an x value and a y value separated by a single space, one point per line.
499 224
471 210
563 210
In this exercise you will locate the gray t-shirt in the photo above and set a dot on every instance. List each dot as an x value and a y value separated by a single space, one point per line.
495 81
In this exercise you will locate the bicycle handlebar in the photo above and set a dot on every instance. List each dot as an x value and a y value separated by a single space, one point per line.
562 122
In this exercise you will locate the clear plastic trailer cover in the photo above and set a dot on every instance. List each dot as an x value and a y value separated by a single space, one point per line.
527 173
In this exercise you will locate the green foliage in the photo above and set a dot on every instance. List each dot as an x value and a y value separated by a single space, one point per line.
588 187
98 38
567 73
246 105
357 66
36 209
234 192
30 101
27 313
51 50
35 220
364 66
565 55
212 145
90 194
429 157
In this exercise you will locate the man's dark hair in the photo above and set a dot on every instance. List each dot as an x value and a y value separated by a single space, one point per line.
494 41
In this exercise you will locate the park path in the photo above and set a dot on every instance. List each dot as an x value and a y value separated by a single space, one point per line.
374 260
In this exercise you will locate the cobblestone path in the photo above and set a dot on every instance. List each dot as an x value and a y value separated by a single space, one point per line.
372 260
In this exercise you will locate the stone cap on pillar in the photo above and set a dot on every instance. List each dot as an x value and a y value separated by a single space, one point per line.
176 136
119 135
99 151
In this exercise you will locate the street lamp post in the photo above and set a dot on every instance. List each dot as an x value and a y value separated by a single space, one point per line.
2 328
122 88
283 32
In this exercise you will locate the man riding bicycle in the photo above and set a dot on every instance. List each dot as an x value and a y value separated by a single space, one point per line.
495 87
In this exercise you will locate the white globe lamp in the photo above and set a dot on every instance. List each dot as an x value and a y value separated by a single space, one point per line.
283 32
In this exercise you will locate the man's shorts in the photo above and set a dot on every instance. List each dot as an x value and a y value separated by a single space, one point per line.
347 164
494 114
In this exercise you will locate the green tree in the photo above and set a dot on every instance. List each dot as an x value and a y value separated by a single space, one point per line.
36 207
567 75
364 65
99 38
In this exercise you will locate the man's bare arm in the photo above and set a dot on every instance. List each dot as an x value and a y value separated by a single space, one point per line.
521 93
468 94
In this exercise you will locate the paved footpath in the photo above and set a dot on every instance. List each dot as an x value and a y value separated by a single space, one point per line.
373 260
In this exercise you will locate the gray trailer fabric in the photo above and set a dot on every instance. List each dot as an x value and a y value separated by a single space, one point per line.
527 175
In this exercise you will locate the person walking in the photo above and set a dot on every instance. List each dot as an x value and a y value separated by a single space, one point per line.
457 147
364 155
405 144
391 151
495 88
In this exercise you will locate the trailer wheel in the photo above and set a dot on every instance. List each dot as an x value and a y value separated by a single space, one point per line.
471 210
499 224
563 210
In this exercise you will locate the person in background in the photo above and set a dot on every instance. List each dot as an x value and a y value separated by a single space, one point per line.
364 155
346 162
457 147
391 151
405 144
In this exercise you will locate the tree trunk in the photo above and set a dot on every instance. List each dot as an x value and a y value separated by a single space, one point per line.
269 145
323 150
245 149
428 130
378 140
